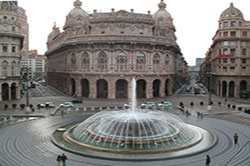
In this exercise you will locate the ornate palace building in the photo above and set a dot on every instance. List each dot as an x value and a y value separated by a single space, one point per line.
11 43
97 55
228 59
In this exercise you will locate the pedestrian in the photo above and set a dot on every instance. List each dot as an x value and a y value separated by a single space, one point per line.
198 114
201 115
64 158
208 160
236 137
59 160
187 113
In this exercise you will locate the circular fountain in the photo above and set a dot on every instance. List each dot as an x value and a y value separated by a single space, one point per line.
138 131
141 132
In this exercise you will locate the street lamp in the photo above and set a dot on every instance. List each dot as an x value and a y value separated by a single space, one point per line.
26 83
209 89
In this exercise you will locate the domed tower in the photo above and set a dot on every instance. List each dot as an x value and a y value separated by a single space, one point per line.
164 22
11 42
229 55
77 21
231 18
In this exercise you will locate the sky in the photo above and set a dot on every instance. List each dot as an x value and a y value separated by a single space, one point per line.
196 21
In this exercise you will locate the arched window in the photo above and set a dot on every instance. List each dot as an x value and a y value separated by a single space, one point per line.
121 62
13 68
73 60
85 61
156 62
102 61
4 68
140 62
167 59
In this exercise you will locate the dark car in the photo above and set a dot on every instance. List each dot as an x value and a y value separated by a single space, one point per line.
77 100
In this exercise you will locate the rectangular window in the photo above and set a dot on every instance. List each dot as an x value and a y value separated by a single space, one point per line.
244 34
225 69
225 51
233 33
13 49
224 60
244 52
244 61
225 34
243 69
225 24
5 48
232 51
240 24
232 60
219 60
233 23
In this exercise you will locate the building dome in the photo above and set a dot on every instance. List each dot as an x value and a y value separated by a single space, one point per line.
76 16
54 33
231 12
162 17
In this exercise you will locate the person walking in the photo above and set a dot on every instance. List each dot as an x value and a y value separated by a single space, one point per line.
208 160
64 158
59 160
236 137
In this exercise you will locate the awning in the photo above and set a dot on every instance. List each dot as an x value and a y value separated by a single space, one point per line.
225 56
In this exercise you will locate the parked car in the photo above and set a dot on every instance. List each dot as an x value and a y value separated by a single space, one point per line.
148 105
67 104
76 100
165 104
127 105
47 105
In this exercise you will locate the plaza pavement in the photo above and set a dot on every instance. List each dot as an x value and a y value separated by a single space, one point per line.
27 143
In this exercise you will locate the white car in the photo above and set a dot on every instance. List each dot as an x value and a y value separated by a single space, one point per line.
47 105
148 105
165 104
67 105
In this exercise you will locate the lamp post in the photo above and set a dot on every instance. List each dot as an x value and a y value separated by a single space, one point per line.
209 89
26 84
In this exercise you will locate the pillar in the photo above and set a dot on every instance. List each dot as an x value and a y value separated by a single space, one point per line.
111 89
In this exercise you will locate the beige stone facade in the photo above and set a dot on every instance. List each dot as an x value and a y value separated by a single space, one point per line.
228 60
97 55
11 41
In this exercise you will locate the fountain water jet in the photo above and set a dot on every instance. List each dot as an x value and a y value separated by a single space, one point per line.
134 131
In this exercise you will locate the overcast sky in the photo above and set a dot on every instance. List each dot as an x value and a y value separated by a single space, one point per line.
196 21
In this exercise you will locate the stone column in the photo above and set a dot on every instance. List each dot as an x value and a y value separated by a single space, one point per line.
17 92
92 88
162 89
9 93
1 99
78 87
111 89
149 89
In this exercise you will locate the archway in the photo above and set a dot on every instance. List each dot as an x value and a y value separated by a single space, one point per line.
141 89
243 86
5 92
102 88
156 88
73 87
85 88
231 88
13 91
224 89
121 88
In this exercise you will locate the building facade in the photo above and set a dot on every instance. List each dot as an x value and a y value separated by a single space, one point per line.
227 63
97 55
11 42
34 63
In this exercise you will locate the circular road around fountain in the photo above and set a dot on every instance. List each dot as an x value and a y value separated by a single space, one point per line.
29 144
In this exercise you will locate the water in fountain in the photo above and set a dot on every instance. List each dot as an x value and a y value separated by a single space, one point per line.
134 131
133 98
